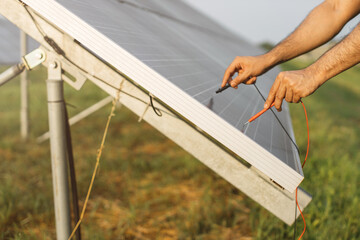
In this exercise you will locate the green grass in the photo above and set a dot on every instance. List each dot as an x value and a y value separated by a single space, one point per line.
149 188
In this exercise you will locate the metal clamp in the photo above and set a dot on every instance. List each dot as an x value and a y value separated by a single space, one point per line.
29 62
34 58
70 73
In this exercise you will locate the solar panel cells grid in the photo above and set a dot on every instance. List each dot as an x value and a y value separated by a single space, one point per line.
188 50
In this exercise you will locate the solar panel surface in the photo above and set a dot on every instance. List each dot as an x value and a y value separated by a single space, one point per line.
180 55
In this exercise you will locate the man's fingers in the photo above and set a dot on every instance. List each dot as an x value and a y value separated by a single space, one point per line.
270 99
236 81
296 98
232 84
251 80
228 73
279 97
225 78
289 95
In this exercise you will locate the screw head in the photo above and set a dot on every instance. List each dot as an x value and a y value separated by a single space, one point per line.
53 65
39 55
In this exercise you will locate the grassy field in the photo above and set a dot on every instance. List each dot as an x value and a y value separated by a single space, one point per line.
149 188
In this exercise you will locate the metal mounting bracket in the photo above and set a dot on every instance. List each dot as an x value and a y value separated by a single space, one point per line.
70 73
29 62
34 58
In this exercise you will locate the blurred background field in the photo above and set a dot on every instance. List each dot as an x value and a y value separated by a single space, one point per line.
149 188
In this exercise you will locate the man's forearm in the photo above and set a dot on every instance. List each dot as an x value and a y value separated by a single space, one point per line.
321 25
294 85
339 58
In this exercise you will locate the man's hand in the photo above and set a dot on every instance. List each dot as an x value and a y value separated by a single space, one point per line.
292 85
248 68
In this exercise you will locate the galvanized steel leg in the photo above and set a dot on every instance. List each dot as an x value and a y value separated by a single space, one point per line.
59 166
24 110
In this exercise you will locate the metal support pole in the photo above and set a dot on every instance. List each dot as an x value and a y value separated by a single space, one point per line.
24 109
59 166
80 116
11 73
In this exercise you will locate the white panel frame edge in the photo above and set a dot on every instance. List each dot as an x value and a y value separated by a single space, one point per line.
189 108
254 184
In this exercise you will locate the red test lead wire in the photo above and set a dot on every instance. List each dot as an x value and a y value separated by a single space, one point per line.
306 156
259 113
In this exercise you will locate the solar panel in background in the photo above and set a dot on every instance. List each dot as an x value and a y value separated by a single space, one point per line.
192 52
10 43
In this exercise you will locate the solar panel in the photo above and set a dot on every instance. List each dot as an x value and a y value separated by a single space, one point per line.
9 40
10 43
180 55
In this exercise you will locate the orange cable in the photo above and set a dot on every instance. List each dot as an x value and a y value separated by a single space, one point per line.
308 135
260 113
306 156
